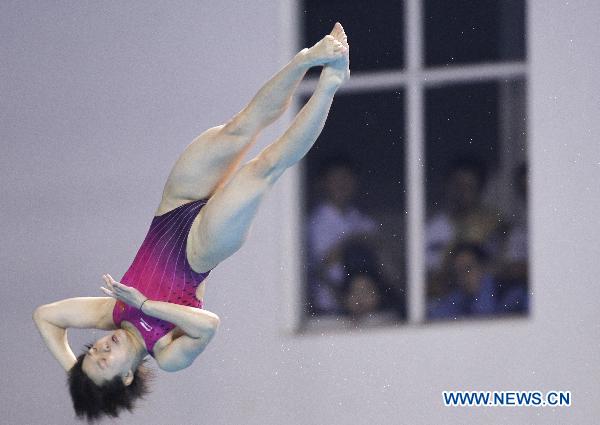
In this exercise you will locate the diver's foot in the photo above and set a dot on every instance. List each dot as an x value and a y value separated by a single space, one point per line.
326 50
339 34
337 71
334 77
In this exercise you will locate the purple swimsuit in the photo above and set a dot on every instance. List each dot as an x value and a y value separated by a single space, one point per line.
161 272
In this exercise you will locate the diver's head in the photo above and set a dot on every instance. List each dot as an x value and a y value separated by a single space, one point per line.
108 377
115 354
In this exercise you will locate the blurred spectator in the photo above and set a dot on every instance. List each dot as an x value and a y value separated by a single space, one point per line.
364 290
462 217
333 225
469 288
513 269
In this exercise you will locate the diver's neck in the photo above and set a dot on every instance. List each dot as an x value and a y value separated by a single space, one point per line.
136 338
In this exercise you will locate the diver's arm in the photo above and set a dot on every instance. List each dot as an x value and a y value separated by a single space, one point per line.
194 322
197 326
55 338
182 351
52 321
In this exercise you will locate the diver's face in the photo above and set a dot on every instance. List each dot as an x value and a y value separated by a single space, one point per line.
109 356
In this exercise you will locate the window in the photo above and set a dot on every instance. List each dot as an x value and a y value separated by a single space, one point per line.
376 28
354 180
416 191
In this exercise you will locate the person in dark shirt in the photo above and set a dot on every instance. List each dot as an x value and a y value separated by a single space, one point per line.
470 288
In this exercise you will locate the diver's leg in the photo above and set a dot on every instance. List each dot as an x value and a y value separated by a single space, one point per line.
223 224
212 157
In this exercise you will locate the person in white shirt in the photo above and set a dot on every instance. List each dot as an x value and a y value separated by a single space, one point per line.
334 223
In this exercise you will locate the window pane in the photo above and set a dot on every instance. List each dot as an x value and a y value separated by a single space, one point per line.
474 31
375 30
476 231
354 193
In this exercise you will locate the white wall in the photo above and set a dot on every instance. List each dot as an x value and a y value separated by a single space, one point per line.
98 99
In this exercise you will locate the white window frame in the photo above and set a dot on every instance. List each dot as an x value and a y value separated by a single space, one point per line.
414 79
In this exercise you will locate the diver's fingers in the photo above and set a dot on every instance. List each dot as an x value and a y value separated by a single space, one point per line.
108 292
108 281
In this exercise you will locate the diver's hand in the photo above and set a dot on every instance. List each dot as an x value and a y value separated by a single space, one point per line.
127 294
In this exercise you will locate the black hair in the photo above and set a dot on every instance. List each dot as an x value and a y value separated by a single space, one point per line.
471 164
472 247
360 259
93 401
339 160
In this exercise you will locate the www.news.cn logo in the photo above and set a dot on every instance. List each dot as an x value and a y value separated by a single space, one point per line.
507 398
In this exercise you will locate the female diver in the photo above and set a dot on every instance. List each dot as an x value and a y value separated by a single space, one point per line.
204 216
